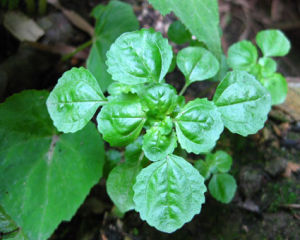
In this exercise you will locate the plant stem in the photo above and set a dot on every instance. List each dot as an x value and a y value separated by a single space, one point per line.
30 6
183 89
77 50
42 7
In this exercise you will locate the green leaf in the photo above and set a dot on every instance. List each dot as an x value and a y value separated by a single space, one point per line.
268 66
277 86
243 102
222 187
139 57
117 88
242 56
273 43
178 33
201 17
158 100
113 157
220 161
198 126
197 64
74 100
121 120
44 177
169 193
203 168
111 21
134 150
158 145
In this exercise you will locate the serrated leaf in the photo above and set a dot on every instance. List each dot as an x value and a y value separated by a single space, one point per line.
219 161
198 126
197 64
33 165
268 66
74 100
243 102
139 57
178 33
273 43
157 145
111 21
222 187
277 86
169 193
242 56
121 120
200 16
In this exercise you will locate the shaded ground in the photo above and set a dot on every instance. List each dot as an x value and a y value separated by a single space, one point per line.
266 165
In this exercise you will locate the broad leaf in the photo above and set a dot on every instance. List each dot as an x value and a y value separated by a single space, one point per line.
34 162
242 56
157 145
121 120
219 161
200 16
273 43
222 187
74 100
277 86
178 33
111 21
198 126
139 57
197 64
243 102
169 193
268 66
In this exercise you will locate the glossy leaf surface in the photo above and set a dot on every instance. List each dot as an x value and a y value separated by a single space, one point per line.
169 193
198 126
219 161
243 102
139 57
121 120
111 21
74 100
178 33
197 64
273 43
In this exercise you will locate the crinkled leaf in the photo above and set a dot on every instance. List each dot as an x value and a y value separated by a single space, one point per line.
169 193
200 16
219 161
139 57
242 56
203 168
273 43
222 187
268 66
197 64
198 126
178 33
111 21
157 145
74 100
34 162
243 102
277 86
121 120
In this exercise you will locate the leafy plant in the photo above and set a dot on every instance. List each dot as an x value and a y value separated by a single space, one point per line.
244 56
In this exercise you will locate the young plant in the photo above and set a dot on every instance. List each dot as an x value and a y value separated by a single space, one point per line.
244 56
142 104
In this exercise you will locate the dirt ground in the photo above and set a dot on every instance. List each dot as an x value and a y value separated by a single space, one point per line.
266 165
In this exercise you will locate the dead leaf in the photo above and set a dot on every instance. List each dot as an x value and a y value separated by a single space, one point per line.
290 168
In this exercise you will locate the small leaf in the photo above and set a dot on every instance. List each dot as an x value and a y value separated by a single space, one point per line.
139 57
222 187
134 150
197 64
74 100
169 193
242 56
277 86
113 157
198 126
203 168
243 102
273 43
111 21
157 145
178 33
121 120
220 161
268 66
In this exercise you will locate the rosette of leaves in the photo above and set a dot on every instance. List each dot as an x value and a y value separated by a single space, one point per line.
244 56
147 116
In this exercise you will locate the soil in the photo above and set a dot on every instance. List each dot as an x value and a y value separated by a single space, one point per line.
266 165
